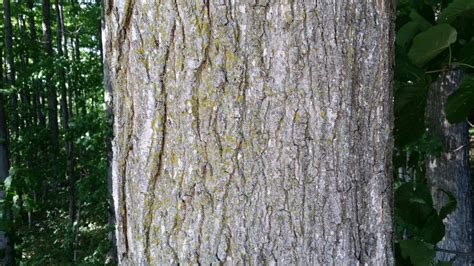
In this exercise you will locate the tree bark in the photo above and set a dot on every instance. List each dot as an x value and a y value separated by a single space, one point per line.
252 132
450 172
109 120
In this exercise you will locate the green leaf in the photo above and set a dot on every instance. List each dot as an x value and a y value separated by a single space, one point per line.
410 100
449 207
420 253
406 33
430 43
420 20
398 256
410 200
466 55
457 9
460 102
433 230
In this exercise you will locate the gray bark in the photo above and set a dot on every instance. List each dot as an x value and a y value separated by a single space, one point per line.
252 132
109 119
450 172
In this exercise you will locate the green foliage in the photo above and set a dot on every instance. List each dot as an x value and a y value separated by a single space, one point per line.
430 43
36 207
426 47
419 226
411 88
456 11
461 101
466 54
418 252
406 33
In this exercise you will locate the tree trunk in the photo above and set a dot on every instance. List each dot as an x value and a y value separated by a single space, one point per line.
450 172
6 241
252 132
70 175
10 64
5 246
37 91
52 97
109 119
25 107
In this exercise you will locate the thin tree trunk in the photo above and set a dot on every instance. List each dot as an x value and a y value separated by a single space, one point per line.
65 125
37 91
252 132
10 64
5 246
24 55
450 172
52 97
6 241
38 114
70 79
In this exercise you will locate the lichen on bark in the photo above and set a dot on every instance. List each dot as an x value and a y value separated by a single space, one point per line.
251 132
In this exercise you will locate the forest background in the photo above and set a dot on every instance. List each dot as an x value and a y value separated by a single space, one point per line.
55 128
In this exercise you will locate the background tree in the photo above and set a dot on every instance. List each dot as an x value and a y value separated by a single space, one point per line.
252 132
5 246
449 174
9 81
434 45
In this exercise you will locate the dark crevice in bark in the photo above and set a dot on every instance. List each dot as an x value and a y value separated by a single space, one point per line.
122 200
123 32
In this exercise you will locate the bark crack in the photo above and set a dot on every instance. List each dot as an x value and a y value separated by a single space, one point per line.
150 196
123 198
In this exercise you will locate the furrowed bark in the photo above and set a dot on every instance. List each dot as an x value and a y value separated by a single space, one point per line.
251 131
